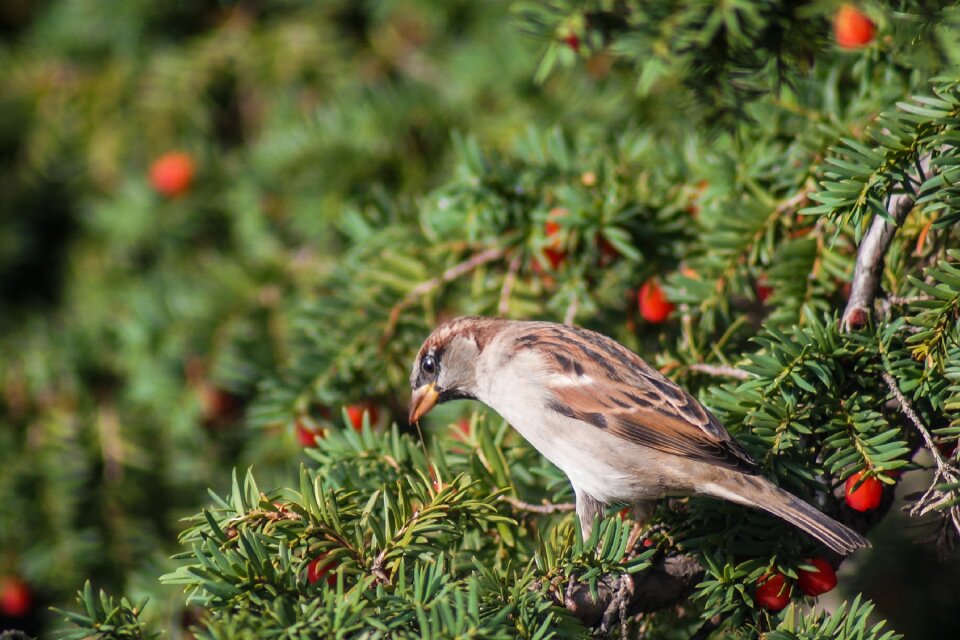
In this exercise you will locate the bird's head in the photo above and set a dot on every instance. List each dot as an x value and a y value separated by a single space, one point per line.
446 366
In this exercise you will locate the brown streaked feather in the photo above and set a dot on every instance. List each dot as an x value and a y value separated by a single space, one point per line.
623 395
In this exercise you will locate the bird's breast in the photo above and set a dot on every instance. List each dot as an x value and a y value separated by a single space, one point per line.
600 464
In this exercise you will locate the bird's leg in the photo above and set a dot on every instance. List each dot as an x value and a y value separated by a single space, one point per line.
639 513
588 509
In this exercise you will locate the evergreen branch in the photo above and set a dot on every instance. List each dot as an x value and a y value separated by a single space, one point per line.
936 496
478 260
107 618
871 255
545 508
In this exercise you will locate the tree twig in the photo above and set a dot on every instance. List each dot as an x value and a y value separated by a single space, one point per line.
902 301
719 370
451 274
709 626
871 254
571 313
616 610
934 497
667 582
503 306
793 202
546 507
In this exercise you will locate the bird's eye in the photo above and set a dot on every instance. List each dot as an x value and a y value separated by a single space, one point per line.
428 365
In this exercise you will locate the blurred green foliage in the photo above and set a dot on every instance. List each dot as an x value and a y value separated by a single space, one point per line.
352 155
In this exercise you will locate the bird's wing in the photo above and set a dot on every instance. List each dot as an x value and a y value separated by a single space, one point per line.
596 380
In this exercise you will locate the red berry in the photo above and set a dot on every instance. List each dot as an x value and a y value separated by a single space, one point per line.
306 436
316 572
15 598
554 253
654 306
573 42
946 447
823 579
541 272
172 174
772 593
608 252
219 405
355 413
851 28
846 289
762 289
867 496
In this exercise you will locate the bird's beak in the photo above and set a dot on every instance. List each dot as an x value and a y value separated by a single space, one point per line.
423 399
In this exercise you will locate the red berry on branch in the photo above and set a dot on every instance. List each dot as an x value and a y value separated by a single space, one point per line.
15 597
653 304
306 436
772 593
219 406
355 414
762 289
608 252
946 447
573 42
171 174
554 252
320 568
867 496
814 583
851 28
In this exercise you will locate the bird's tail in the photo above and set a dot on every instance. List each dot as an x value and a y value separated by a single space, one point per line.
759 492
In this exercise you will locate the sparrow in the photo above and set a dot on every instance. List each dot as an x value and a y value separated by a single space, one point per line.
619 430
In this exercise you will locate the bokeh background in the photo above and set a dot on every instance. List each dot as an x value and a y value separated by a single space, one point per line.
138 316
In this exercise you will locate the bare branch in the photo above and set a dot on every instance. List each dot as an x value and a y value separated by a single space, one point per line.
901 301
719 370
934 497
669 581
793 202
504 305
871 254
709 626
111 447
451 274
571 313
545 508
